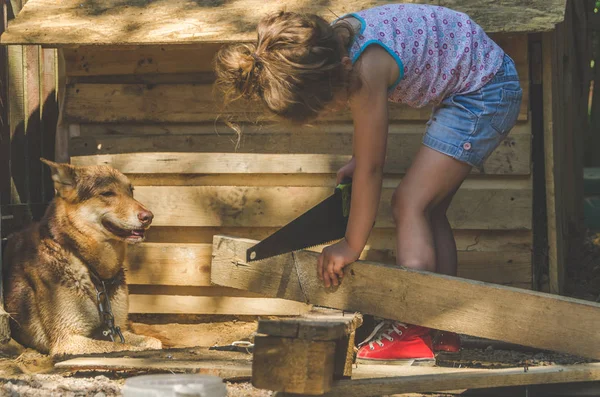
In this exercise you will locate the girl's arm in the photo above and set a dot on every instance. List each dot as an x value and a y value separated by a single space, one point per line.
370 116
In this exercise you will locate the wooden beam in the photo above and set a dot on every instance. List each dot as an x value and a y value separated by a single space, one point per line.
177 304
308 152
443 379
231 370
437 301
293 365
188 264
181 103
552 162
71 22
315 325
304 354
494 205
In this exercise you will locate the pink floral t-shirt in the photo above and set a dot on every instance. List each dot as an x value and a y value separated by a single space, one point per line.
440 52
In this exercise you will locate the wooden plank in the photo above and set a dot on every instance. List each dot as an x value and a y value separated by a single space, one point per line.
475 206
508 159
186 21
173 154
139 60
428 299
33 136
186 103
178 103
4 166
187 290
173 304
49 113
188 264
16 122
237 370
380 238
293 365
556 241
316 325
442 379
5 128
86 61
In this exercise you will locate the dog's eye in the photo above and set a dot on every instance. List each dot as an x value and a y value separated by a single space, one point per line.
107 194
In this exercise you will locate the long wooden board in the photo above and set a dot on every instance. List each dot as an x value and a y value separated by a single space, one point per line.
186 103
181 103
189 264
505 160
70 22
474 308
87 61
231 370
475 206
313 152
418 380
174 304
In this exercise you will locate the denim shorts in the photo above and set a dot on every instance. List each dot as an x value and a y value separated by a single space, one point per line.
469 127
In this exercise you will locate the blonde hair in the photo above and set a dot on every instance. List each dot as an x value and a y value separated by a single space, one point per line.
295 68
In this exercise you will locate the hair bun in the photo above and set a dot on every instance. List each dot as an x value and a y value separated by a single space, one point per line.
237 68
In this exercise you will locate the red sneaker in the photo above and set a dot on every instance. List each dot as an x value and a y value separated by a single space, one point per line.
397 344
444 341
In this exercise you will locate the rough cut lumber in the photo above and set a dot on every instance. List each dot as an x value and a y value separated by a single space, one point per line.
476 206
306 152
506 160
113 22
293 365
442 379
180 103
186 103
315 325
231 370
431 300
139 60
174 304
188 264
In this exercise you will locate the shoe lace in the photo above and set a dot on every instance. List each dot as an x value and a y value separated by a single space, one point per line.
379 333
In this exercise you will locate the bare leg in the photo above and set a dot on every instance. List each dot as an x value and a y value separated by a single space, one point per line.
445 244
432 178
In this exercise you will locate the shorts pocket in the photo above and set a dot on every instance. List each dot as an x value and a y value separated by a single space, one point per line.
470 104
507 112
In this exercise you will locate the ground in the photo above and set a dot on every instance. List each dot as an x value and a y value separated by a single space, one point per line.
24 372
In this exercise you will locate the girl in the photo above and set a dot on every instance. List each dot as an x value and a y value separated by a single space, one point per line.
302 67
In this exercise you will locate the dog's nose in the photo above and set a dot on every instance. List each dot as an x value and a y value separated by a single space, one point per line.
145 217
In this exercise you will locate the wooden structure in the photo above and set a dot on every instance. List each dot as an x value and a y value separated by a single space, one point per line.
138 95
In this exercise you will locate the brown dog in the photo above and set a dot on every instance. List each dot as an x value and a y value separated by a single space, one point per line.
64 281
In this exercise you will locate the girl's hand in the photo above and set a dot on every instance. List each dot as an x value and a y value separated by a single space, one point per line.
346 171
332 261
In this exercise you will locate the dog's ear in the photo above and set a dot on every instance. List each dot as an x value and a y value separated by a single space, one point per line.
63 176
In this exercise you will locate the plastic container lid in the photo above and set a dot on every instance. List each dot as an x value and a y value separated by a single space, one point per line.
174 385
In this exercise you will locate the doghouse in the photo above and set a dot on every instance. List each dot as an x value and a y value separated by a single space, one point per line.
135 91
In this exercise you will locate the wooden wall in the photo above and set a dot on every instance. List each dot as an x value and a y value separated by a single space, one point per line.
149 111
567 75
28 114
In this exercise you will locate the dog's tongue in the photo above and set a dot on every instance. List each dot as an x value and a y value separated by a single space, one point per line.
138 232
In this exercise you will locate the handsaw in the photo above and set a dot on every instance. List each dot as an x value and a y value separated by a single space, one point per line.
324 223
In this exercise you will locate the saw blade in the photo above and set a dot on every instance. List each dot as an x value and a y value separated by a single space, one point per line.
325 222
